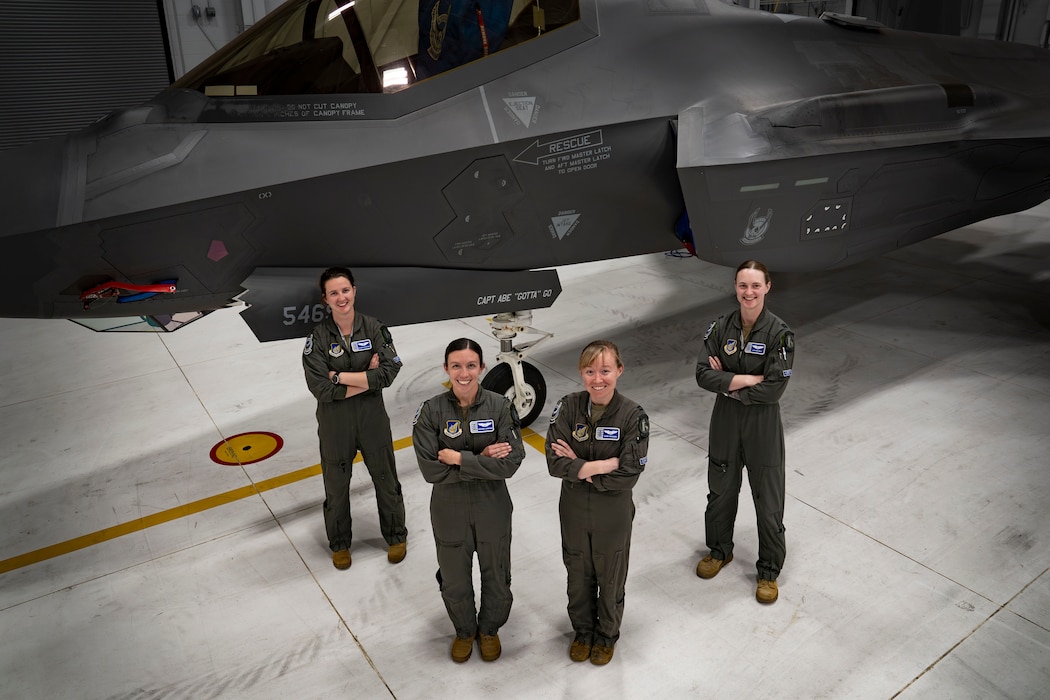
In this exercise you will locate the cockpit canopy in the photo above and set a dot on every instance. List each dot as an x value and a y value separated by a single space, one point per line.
369 46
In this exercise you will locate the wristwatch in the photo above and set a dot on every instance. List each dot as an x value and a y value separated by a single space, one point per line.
335 379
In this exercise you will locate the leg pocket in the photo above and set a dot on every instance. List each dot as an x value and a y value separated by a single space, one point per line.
719 479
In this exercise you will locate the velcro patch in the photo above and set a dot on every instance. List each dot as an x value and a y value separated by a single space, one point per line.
602 433
486 425
755 349
361 345
709 329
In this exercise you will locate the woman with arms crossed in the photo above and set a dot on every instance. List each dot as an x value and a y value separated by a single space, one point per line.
746 360
468 443
349 359
597 444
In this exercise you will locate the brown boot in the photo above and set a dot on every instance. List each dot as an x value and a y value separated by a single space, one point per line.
461 648
767 591
341 559
490 647
709 566
395 554
601 654
579 650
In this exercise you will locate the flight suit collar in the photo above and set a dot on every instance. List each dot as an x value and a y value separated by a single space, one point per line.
454 400
613 405
737 322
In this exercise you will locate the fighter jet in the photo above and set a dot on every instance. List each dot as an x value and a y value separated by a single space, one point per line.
454 153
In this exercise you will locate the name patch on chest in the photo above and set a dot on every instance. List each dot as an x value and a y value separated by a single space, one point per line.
602 433
755 349
361 345
483 426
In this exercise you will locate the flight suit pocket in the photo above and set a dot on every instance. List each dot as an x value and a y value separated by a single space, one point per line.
609 570
496 553
574 564
718 477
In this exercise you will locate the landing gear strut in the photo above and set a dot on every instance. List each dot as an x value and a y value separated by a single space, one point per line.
514 378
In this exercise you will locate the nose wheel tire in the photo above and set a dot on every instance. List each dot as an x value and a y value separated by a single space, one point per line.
501 380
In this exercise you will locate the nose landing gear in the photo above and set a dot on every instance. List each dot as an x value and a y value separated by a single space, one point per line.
512 377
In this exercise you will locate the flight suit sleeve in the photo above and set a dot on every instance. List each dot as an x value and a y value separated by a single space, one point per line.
315 367
508 429
561 428
426 440
389 361
776 373
707 378
634 451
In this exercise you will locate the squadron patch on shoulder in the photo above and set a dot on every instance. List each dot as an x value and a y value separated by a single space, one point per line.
335 349
418 411
709 329
643 426
555 412
309 348
582 433
453 428
730 347
387 338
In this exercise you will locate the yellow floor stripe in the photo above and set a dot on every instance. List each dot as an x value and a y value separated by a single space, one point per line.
166 516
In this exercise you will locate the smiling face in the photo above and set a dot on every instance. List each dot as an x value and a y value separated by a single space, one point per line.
751 290
599 377
339 294
464 367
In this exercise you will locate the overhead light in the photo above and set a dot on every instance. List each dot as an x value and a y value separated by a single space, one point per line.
335 13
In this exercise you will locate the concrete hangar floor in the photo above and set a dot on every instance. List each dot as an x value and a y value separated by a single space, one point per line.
918 512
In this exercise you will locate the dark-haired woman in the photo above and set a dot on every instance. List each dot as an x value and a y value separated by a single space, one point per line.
468 443
746 360
597 444
349 359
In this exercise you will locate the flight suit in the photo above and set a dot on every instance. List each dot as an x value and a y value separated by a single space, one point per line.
347 425
746 430
596 516
470 506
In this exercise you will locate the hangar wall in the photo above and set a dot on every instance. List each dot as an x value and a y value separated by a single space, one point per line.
66 63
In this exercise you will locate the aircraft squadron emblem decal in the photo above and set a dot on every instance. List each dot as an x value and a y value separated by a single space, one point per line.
757 226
